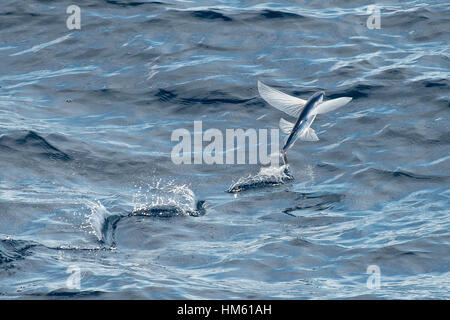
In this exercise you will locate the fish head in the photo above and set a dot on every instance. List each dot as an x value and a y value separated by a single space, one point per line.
317 99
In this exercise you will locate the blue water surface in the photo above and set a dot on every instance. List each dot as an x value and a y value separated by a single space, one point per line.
91 205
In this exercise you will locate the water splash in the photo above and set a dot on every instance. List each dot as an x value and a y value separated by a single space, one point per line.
166 199
99 214
156 199
267 176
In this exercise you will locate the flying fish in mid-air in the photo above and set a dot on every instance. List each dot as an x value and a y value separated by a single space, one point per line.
304 111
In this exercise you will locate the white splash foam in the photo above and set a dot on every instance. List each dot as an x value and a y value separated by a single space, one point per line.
164 193
97 218
272 171
266 176
156 194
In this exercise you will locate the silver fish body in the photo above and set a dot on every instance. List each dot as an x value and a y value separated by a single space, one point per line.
305 119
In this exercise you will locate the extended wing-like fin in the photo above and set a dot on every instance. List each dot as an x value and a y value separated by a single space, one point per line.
286 126
308 135
331 105
282 101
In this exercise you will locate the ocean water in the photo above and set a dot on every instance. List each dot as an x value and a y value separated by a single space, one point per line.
93 207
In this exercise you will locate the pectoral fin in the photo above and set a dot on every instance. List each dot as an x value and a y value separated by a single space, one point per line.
308 135
282 101
331 105
286 126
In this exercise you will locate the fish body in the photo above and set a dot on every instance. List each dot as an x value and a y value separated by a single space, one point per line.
304 120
